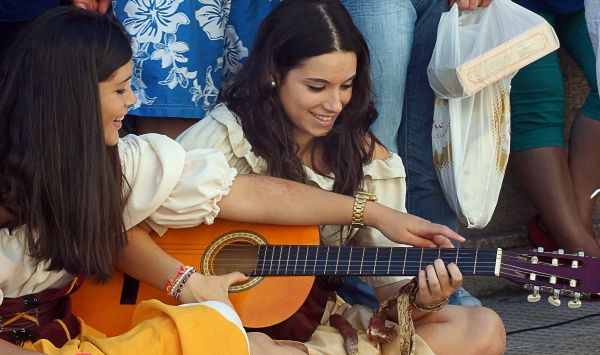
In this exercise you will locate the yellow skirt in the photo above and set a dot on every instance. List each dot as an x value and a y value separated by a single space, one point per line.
157 328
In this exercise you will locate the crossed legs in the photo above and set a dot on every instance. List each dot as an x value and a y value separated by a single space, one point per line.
463 330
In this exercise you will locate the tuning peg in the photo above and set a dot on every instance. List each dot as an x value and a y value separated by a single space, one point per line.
581 253
575 302
540 249
554 298
554 301
561 251
535 296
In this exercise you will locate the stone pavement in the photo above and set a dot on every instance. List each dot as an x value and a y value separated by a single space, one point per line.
541 328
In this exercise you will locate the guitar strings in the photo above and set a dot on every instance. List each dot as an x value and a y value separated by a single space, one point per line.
320 262
317 264
320 266
427 258
237 247
465 252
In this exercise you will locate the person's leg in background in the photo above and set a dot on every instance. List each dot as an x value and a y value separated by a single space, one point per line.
537 144
387 28
584 138
425 197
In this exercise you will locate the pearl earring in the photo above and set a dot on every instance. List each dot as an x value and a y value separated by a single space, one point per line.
273 83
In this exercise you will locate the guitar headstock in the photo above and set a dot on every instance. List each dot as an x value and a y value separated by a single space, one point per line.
572 275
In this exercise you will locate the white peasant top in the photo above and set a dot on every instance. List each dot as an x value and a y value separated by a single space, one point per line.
384 178
169 188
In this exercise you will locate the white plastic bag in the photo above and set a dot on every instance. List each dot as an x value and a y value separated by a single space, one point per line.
471 144
477 48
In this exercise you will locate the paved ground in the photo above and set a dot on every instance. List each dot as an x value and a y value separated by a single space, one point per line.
540 328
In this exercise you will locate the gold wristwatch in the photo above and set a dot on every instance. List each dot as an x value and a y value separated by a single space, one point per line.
358 211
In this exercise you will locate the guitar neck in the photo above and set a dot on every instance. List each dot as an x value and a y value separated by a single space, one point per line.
304 260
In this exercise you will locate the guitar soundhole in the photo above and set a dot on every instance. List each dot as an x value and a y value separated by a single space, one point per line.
233 251
237 256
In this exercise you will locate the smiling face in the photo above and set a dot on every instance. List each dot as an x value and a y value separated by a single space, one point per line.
115 98
315 93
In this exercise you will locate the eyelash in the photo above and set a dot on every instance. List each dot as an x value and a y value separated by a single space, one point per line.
320 88
124 90
315 88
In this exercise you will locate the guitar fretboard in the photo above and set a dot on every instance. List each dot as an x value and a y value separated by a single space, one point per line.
299 260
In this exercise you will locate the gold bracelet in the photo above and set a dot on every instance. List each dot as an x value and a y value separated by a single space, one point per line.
412 298
358 211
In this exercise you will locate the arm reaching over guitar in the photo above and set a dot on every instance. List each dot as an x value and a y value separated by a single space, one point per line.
201 186
263 199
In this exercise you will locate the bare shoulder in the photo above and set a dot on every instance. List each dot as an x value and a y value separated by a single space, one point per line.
380 153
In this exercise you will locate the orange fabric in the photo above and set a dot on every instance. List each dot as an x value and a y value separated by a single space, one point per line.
158 328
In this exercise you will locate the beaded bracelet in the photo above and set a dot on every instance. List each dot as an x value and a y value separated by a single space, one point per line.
429 308
173 277
178 280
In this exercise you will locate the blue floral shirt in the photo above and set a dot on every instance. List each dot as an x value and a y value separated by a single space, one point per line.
185 50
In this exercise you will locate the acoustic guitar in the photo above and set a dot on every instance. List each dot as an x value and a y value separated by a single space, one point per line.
283 262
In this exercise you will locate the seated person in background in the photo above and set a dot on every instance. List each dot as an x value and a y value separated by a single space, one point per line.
301 109
557 181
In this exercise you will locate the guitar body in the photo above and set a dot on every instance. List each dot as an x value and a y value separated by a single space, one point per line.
261 302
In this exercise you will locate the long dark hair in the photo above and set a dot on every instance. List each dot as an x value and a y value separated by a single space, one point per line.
295 31
57 176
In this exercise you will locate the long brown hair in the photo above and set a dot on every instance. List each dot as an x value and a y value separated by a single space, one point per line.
57 176
295 31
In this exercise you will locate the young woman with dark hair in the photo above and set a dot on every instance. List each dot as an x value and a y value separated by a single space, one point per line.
301 109
76 200
267 126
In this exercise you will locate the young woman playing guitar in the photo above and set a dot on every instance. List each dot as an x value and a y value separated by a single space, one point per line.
301 109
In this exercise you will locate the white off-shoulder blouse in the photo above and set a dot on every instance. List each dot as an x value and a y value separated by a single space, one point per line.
169 187
384 178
